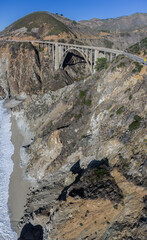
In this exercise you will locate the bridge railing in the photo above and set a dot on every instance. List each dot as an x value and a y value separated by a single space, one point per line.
103 49
110 50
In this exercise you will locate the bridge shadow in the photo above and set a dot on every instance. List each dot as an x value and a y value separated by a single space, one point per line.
69 60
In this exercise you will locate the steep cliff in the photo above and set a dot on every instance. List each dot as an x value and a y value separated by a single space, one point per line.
26 69
87 156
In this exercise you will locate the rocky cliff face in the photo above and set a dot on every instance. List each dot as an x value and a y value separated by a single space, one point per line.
27 69
87 155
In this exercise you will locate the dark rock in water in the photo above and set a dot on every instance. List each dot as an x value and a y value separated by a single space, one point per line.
30 232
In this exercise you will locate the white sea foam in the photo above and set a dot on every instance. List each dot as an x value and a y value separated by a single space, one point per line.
6 168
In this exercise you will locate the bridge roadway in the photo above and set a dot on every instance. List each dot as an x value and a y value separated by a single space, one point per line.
90 53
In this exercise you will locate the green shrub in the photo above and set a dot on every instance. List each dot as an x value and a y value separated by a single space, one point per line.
138 67
87 102
137 118
101 172
122 64
120 110
112 70
135 124
78 116
101 63
115 206
128 90
83 136
81 224
130 97
82 93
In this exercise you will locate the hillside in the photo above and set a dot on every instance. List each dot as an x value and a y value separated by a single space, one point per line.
37 24
88 156
95 32
85 140
120 24
139 48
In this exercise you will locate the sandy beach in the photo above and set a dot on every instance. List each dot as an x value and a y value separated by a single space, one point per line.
18 187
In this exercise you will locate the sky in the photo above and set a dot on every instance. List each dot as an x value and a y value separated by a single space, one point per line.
12 10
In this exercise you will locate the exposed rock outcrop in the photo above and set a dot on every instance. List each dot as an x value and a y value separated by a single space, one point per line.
29 69
87 156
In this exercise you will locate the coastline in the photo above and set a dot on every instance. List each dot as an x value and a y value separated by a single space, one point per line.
18 186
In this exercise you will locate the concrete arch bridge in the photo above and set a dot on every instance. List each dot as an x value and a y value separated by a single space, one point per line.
90 54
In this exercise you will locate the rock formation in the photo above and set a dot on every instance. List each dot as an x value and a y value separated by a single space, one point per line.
87 156
87 150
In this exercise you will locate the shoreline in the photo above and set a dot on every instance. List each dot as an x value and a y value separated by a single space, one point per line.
18 186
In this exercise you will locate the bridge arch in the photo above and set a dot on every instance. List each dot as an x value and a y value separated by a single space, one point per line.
80 52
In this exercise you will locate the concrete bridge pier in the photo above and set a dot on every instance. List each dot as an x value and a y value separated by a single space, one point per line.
49 49
53 52
56 56
110 57
61 52
96 56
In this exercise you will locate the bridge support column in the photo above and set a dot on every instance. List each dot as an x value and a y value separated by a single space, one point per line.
56 56
110 57
91 59
60 53
53 52
96 55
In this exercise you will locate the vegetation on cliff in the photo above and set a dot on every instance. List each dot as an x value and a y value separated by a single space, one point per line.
88 155
38 21
139 47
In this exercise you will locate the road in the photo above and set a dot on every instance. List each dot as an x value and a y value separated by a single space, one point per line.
136 58
115 51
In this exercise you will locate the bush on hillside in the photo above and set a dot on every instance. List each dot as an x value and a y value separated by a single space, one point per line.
101 64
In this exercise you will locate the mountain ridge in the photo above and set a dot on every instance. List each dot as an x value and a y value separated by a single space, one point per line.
117 24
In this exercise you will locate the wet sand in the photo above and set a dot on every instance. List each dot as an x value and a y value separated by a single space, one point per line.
18 187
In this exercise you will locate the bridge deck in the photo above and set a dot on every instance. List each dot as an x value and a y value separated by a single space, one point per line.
100 49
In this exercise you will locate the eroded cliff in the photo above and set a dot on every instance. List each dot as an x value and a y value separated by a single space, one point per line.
87 156
27 68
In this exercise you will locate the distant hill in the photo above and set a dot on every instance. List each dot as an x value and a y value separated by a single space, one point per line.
118 33
119 24
37 24
139 48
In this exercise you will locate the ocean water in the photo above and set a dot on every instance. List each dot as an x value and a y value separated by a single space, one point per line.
6 168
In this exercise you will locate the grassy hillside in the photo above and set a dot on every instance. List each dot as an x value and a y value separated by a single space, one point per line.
39 20
139 47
